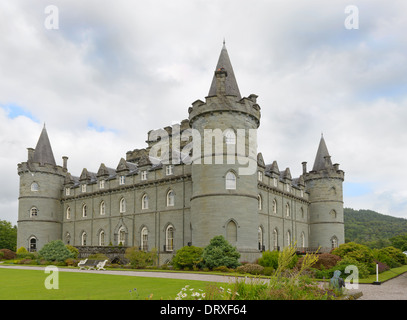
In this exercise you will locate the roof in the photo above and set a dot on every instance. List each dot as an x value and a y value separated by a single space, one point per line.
43 151
319 163
230 82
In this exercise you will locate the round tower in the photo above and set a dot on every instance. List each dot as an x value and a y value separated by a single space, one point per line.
324 184
39 206
224 197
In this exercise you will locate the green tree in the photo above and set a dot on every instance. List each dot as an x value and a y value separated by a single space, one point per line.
219 252
8 236
141 259
55 251
400 242
187 257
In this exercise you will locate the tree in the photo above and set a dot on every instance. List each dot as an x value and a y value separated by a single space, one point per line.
219 252
187 257
55 251
8 236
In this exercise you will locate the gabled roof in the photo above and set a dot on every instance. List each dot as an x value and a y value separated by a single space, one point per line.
43 152
319 163
230 82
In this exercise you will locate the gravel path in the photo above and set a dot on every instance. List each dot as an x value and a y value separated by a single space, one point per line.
394 289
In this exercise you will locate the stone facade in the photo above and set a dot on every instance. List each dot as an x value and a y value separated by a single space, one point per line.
170 204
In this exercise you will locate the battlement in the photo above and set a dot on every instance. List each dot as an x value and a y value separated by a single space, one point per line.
33 167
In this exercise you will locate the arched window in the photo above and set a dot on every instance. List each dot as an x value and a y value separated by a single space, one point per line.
122 205
84 211
230 137
169 238
144 202
230 180
259 202
68 213
83 238
274 206
33 244
287 210
102 208
288 238
302 212
170 198
101 238
333 214
303 239
144 239
275 239
122 236
68 238
260 238
334 242
35 186
33 212
231 232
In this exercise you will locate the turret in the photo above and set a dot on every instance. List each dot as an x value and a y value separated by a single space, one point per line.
324 184
39 210
224 173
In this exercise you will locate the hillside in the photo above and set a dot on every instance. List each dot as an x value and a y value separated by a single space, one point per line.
366 226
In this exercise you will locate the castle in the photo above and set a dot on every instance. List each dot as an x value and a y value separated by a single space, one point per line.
151 203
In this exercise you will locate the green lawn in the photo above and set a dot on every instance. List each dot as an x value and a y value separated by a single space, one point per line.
29 284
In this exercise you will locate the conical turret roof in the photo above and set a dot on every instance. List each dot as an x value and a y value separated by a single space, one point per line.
322 153
43 152
230 83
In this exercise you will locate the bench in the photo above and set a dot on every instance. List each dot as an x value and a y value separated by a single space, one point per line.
92 264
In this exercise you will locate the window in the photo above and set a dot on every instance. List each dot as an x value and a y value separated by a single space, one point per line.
122 236
260 175
260 238
169 238
288 238
230 137
122 180
287 210
275 182
169 170
144 202
144 239
303 239
122 205
144 175
33 212
302 193
333 214
170 198
101 238
275 239
84 188
34 186
33 244
67 191
68 213
302 213
230 181
84 211
274 206
102 208
334 242
259 202
68 238
288 187
101 184
231 232
83 238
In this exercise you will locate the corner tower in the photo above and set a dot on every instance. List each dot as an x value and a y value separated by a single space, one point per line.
224 197
324 184
39 207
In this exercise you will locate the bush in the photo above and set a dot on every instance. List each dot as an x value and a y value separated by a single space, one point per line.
8 254
358 252
251 268
391 256
73 250
219 252
141 259
187 257
269 259
325 261
55 251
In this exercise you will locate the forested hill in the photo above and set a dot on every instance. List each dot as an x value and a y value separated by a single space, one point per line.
366 226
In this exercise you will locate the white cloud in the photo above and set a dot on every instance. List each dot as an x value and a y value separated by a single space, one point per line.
129 67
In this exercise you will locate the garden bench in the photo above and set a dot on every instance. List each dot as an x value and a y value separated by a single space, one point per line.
92 264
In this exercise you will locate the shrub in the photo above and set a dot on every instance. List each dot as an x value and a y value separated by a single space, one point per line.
55 251
391 256
73 250
358 252
269 259
187 257
8 254
219 252
325 261
363 270
251 268
141 259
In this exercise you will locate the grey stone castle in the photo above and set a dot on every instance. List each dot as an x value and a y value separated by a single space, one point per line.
170 204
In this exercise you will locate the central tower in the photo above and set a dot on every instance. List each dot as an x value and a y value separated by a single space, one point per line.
224 198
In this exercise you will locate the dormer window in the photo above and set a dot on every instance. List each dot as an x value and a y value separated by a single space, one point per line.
101 184
84 188
169 170
260 175
122 180
67 191
144 175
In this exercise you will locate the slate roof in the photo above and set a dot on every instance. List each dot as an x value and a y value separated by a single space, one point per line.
43 152
322 152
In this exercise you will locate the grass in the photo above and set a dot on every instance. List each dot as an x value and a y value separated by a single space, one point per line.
29 285
386 275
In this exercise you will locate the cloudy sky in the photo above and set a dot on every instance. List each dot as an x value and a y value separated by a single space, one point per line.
113 70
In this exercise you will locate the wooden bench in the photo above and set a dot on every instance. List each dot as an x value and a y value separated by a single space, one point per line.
92 264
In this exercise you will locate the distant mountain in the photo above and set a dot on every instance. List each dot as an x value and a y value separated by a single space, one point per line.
364 226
